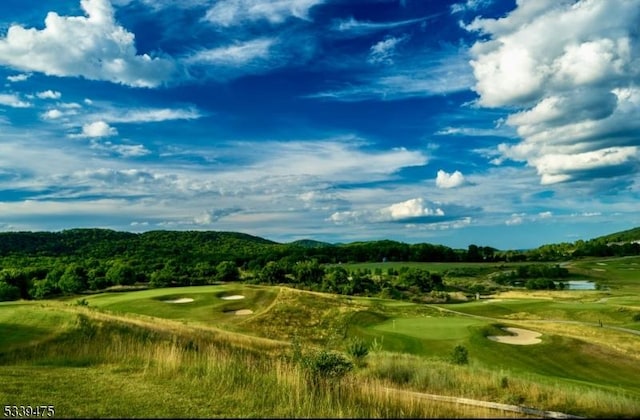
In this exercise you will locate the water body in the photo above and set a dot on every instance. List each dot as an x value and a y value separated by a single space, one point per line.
579 285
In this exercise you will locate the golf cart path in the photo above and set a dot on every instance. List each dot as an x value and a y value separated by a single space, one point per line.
486 404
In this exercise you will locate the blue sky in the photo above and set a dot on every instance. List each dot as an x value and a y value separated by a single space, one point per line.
501 123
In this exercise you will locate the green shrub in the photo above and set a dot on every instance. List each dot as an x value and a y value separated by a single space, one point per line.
460 355
358 351
636 317
325 367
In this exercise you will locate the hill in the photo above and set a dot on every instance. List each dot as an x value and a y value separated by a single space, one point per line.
310 243
624 236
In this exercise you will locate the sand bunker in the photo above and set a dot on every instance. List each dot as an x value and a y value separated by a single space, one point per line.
232 297
521 337
244 312
181 300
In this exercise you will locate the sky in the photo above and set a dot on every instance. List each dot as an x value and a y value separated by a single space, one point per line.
500 123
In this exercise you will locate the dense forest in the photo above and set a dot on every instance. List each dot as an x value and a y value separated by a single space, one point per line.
35 265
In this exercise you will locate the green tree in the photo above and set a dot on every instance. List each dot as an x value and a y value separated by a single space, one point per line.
308 272
8 292
121 273
227 271
73 280
272 273
161 278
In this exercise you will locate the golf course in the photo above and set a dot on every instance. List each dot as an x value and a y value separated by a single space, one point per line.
247 350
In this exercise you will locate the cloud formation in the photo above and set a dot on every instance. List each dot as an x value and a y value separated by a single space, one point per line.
414 210
235 12
447 180
98 129
577 89
13 101
383 51
92 46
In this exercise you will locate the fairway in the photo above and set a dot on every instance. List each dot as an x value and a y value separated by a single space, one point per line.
203 304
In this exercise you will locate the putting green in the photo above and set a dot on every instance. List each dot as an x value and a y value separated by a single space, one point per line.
430 328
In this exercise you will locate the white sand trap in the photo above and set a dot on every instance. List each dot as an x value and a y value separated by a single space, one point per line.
492 300
601 263
244 312
598 269
181 300
232 297
521 337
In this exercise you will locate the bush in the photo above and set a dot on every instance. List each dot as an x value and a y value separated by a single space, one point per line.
460 355
325 367
358 351
636 317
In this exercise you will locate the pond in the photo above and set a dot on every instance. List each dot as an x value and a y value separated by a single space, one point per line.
579 285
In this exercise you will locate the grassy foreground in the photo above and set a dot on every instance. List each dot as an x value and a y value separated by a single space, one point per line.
133 354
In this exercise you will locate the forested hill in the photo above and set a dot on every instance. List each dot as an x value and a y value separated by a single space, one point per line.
630 235
105 243
241 248
214 247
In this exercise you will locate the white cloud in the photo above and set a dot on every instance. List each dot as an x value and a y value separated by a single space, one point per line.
13 101
341 158
577 91
429 75
18 78
235 55
98 129
92 46
126 150
357 27
49 94
236 12
415 209
447 180
383 51
515 219
52 114
151 115
545 215
469 5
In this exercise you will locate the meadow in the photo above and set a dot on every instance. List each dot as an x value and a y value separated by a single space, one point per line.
140 354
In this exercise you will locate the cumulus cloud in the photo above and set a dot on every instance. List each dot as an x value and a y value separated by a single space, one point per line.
235 12
18 78
576 91
13 101
98 129
447 180
49 94
413 210
92 46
